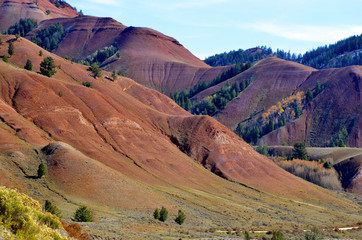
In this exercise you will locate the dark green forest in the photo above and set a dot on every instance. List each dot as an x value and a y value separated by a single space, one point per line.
340 54
49 38
23 27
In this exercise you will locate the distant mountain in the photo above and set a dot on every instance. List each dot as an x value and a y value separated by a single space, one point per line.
344 53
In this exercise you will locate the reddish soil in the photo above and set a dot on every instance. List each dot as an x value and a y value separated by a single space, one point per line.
128 136
11 11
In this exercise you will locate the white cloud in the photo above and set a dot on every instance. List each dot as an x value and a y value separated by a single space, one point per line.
321 34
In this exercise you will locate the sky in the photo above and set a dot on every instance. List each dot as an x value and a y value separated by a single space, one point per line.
208 27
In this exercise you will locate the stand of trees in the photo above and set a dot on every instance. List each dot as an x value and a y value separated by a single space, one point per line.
23 27
49 38
343 53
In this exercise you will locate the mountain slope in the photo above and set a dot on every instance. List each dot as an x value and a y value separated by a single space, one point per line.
124 146
12 11
147 56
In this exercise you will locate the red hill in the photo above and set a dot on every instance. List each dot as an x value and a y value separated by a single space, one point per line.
12 11
122 145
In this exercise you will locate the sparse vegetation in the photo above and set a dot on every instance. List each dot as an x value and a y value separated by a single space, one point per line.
313 172
83 214
114 75
180 219
100 56
29 65
341 139
42 170
40 53
314 234
6 58
23 219
47 67
163 214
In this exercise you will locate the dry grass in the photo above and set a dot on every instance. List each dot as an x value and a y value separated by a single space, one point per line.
313 172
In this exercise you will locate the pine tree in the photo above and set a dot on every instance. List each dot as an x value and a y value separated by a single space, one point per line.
47 67
180 219
6 58
11 49
299 151
163 214
156 214
42 170
29 65
309 96
49 207
83 214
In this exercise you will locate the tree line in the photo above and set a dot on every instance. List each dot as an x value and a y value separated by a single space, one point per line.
343 53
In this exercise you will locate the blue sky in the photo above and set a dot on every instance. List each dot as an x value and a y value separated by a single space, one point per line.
207 27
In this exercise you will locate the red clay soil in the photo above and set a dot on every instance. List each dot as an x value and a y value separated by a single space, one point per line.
128 136
147 56
11 11
339 105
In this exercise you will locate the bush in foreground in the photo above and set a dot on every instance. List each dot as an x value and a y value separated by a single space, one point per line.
22 218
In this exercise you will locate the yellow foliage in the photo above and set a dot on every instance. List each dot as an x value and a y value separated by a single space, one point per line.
22 217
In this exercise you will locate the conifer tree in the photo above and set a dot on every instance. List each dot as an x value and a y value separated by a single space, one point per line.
163 214
11 49
29 65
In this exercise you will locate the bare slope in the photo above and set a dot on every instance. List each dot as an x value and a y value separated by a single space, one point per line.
147 56
121 148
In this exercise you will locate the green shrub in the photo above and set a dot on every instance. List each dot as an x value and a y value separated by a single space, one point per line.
314 234
6 58
11 49
40 53
156 214
42 170
83 214
87 84
47 67
163 214
29 65
180 219
247 235
114 75
95 69
277 236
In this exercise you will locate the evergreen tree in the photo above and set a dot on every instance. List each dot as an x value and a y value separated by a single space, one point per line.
1 41
82 214
49 207
308 96
6 58
163 214
11 49
180 217
114 75
300 151
29 65
42 170
297 111
40 53
95 69
156 214
47 67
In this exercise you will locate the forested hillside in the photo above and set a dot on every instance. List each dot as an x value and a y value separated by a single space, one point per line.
346 52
